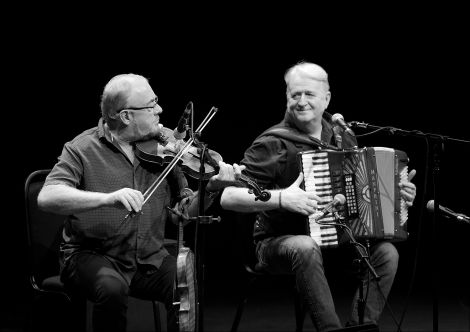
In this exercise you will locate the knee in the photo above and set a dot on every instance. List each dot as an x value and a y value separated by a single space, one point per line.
386 254
305 248
109 289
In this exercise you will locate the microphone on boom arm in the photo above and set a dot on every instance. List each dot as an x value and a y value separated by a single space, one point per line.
448 213
338 119
180 131
339 199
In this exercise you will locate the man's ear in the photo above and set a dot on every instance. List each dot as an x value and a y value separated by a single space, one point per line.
327 98
125 117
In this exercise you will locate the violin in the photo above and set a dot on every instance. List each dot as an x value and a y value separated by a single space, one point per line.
162 150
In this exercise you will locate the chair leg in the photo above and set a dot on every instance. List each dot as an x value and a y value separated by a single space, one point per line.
156 316
299 311
241 305
79 313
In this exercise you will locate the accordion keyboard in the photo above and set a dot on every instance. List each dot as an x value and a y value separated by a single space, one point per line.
317 180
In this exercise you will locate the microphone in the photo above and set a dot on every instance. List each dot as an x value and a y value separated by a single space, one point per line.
180 130
448 213
338 119
339 199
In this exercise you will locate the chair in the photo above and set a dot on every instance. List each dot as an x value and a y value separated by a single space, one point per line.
44 232
244 236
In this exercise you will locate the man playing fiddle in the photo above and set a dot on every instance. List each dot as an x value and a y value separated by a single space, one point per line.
96 182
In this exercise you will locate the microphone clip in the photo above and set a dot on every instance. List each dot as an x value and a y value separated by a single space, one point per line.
357 124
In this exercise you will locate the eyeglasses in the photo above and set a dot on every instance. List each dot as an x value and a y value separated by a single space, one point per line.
140 108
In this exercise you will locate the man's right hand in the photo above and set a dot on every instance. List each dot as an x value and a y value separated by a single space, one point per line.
131 199
295 199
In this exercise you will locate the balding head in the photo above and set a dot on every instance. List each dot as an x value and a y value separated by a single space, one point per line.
306 71
115 95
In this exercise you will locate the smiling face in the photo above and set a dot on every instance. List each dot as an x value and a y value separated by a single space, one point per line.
308 96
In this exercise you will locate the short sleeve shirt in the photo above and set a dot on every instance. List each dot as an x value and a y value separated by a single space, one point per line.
94 162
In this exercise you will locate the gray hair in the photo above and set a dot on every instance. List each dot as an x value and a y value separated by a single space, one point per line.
115 95
307 70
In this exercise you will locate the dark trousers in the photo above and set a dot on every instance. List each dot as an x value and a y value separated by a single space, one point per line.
301 255
95 276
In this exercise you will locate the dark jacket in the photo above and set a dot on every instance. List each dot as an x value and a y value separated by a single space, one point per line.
272 161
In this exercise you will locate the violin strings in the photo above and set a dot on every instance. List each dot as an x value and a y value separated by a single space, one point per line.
148 193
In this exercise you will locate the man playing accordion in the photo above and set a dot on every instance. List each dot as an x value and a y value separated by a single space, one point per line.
282 246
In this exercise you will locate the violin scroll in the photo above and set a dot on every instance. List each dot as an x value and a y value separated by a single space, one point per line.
263 196
260 194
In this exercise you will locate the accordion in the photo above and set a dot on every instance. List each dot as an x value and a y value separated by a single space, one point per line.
368 178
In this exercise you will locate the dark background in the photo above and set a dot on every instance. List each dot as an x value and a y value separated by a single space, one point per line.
406 70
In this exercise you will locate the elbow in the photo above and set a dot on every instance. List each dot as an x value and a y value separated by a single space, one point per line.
225 199
44 203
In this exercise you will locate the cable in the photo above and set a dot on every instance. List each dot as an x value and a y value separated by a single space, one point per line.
418 238
389 307
372 132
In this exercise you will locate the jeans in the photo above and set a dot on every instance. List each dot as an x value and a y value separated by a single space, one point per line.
95 277
300 255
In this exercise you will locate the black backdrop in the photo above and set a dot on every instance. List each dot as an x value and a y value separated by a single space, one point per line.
388 73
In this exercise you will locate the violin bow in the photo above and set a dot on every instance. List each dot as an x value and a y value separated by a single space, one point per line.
151 189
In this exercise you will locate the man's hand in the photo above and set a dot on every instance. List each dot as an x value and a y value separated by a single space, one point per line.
408 189
295 199
228 175
131 199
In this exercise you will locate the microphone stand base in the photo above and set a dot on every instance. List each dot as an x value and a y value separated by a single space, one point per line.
206 219
359 328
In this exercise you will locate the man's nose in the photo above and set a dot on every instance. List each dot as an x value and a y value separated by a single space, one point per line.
303 99
158 110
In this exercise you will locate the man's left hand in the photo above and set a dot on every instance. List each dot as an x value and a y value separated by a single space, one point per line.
228 175
408 189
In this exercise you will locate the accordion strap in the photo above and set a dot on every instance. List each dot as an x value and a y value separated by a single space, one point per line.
297 137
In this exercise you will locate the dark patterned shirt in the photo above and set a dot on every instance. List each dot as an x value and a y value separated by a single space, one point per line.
94 162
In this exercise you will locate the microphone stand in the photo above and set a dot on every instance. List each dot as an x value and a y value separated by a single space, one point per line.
363 260
438 148
198 249
200 219
199 243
